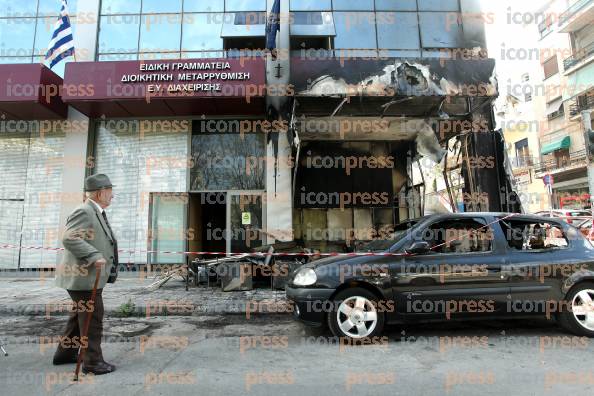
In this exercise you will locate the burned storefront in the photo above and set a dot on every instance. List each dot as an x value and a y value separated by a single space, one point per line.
375 137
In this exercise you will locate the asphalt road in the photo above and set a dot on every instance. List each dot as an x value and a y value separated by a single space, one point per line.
274 355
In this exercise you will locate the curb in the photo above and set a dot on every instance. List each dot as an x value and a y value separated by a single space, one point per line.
279 307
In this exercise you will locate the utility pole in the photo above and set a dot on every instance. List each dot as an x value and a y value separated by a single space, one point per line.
587 122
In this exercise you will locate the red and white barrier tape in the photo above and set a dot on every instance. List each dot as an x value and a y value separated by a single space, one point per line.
262 254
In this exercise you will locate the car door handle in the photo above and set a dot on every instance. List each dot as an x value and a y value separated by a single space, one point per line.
494 269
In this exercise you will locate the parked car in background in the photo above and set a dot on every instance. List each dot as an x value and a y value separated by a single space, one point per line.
453 267
569 215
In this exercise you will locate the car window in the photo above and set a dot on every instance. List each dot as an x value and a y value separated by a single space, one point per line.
525 235
458 236
379 245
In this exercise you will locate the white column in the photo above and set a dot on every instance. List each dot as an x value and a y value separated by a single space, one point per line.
279 207
77 139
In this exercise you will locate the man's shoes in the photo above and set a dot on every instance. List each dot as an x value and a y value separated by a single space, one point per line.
64 359
99 368
113 367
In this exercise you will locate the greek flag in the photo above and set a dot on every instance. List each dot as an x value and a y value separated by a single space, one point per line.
61 45
273 26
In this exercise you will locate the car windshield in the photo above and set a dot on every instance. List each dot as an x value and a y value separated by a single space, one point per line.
380 245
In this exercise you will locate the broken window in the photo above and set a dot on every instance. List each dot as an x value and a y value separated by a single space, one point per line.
226 161
529 235
459 236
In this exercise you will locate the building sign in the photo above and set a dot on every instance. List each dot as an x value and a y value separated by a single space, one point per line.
169 78
185 77
168 87
523 177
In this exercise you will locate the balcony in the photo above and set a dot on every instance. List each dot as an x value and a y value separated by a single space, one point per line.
581 103
575 160
577 16
580 55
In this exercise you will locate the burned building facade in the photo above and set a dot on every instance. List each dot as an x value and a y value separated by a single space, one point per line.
216 145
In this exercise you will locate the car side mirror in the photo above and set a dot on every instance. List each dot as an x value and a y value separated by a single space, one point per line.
419 247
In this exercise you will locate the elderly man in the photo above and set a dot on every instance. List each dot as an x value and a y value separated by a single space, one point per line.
90 246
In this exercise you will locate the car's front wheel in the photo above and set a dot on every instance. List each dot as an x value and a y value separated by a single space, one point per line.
355 315
580 319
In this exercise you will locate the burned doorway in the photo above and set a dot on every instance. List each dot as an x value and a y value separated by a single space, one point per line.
345 192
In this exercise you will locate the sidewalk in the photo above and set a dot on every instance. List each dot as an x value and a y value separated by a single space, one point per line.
27 295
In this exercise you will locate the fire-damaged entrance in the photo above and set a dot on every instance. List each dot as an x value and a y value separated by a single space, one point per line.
347 191
382 141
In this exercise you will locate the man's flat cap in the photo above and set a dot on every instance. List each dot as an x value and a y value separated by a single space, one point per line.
97 182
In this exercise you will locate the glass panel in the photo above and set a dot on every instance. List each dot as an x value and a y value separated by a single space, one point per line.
438 5
440 30
246 222
364 5
43 35
41 217
138 164
13 163
11 8
307 18
311 5
204 5
227 161
13 168
15 59
17 36
159 55
120 6
396 5
118 34
355 30
245 5
398 30
53 7
161 36
250 18
348 53
160 6
118 57
196 55
116 153
399 54
168 224
11 222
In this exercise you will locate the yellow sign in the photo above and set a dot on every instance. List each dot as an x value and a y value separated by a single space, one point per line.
246 218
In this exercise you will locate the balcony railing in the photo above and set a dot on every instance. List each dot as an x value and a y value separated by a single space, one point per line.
581 103
575 158
572 10
579 56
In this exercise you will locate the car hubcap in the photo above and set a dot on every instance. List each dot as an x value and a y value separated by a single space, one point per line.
582 307
357 317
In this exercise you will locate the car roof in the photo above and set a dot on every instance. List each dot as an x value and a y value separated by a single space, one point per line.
517 216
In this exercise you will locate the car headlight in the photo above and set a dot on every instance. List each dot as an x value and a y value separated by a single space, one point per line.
305 277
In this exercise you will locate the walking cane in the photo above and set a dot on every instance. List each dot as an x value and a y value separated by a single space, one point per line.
87 324
2 347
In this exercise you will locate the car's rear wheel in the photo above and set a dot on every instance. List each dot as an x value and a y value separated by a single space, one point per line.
580 320
355 315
